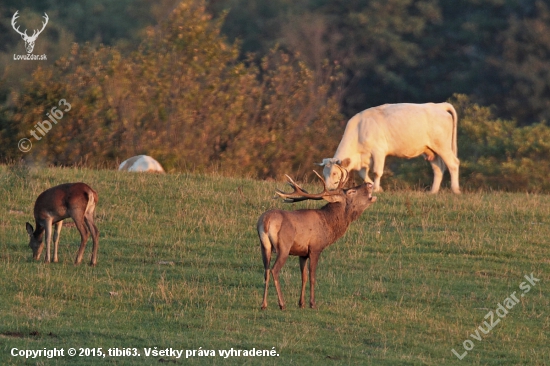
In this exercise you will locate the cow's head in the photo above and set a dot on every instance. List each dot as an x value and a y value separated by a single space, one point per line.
332 174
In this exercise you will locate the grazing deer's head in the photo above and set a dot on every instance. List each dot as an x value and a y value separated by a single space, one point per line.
29 40
36 242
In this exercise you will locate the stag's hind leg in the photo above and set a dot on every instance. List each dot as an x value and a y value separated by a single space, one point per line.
266 257
279 263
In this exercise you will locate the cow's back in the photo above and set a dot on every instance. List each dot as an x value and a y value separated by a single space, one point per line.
403 130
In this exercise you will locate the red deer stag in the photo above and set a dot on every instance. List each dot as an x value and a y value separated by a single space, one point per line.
305 233
75 200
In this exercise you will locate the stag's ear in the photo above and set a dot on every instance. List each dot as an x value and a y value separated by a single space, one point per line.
334 198
345 163
30 230
351 192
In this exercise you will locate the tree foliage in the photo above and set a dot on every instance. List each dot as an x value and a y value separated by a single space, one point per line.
175 82
185 98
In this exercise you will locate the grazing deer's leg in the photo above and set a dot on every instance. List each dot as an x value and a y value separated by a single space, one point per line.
313 259
79 222
88 219
303 262
48 233
279 263
56 235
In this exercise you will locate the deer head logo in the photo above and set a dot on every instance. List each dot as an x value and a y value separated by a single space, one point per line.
29 40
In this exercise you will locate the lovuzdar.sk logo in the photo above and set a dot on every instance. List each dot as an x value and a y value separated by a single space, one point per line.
29 40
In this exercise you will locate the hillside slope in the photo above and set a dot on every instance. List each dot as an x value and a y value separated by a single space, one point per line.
179 267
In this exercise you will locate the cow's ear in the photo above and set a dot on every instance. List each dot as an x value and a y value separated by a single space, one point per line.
345 163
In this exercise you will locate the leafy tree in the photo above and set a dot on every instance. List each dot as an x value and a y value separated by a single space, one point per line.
185 98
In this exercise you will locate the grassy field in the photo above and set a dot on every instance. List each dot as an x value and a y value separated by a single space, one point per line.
179 267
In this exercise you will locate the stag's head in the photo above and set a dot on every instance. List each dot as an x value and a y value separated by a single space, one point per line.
355 200
358 199
29 40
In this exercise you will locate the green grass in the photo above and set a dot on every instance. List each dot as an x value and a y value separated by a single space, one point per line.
179 267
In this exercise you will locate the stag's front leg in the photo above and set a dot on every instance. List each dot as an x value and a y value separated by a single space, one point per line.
303 262
313 259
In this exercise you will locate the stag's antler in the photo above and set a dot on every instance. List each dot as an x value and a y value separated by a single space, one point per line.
299 194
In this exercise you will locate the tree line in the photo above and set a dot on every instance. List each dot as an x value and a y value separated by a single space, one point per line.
262 89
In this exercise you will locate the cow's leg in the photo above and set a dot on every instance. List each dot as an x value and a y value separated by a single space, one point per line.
378 170
452 163
438 167
366 163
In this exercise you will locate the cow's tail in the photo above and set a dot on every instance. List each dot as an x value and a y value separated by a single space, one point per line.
451 110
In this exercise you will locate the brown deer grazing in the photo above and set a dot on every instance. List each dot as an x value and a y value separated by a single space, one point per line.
305 233
75 200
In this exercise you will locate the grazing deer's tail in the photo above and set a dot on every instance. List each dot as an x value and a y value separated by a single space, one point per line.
92 198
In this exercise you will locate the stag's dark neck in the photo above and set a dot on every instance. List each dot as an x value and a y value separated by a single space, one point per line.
336 220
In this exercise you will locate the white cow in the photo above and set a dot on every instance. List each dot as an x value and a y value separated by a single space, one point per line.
402 130
141 163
